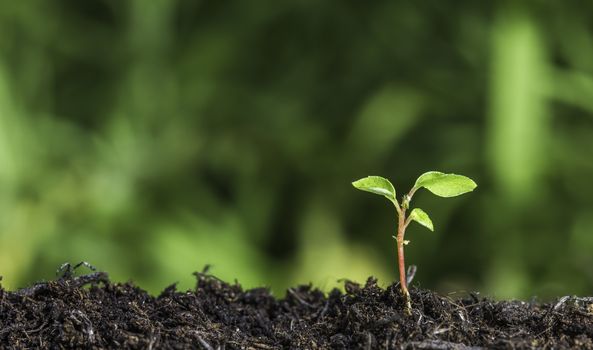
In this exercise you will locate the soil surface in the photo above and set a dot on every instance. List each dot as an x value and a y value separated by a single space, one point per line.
89 312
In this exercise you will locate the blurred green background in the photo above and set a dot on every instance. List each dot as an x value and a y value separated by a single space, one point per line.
150 138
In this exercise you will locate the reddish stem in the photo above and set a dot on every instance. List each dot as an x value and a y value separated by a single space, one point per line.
401 229
400 252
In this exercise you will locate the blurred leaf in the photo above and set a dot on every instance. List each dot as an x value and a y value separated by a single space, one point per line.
422 218
326 258
574 88
445 185
385 118
377 185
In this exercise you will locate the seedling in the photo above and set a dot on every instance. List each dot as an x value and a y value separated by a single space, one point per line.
441 184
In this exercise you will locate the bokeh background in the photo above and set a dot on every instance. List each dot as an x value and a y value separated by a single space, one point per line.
151 138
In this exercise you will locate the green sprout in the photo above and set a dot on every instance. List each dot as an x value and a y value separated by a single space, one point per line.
441 184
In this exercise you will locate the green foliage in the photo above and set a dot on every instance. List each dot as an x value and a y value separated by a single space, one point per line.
131 130
445 185
441 184
377 185
422 218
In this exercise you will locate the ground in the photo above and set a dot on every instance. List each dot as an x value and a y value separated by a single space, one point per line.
91 312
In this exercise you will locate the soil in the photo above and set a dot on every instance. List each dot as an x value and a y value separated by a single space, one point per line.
89 312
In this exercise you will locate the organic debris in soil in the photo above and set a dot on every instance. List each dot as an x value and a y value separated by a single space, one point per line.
217 315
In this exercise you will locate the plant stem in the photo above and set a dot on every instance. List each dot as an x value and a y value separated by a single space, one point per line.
401 229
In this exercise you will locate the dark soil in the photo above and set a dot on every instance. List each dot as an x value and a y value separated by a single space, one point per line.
217 315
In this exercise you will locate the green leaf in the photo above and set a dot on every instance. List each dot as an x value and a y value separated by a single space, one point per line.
422 218
445 185
377 185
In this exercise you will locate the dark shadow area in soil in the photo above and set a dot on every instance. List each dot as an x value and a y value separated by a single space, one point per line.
217 315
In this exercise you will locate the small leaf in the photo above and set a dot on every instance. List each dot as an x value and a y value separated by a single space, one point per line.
377 185
445 185
422 218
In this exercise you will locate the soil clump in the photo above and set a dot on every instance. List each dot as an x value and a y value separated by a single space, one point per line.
90 312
